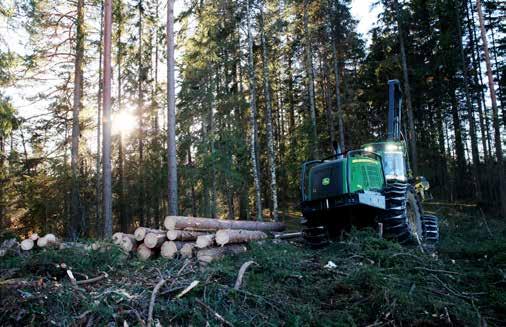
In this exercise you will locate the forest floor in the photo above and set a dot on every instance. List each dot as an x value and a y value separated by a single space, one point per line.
373 282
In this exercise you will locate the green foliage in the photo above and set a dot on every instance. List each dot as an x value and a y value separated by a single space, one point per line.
374 281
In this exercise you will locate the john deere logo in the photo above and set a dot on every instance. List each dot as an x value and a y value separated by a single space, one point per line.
325 181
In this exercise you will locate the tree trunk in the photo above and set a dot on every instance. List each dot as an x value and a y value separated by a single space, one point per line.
171 113
140 111
310 83
268 118
253 118
106 161
98 231
469 106
121 152
474 49
340 119
75 226
407 92
495 115
195 223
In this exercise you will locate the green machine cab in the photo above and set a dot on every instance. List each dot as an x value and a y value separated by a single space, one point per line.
364 187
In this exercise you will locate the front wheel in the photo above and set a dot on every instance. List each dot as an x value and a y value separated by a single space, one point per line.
403 217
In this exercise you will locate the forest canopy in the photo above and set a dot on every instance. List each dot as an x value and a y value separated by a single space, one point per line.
261 86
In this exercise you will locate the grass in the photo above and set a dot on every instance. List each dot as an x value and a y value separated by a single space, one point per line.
375 282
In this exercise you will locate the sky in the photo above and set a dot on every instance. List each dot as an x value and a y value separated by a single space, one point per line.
367 16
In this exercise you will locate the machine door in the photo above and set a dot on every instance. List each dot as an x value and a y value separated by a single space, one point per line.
327 180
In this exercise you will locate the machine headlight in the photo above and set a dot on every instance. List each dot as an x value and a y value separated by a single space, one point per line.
392 147
369 149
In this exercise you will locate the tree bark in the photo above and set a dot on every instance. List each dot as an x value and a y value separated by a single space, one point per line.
407 92
171 113
340 119
141 232
178 222
495 115
228 236
107 193
310 83
268 118
75 226
140 112
183 235
253 118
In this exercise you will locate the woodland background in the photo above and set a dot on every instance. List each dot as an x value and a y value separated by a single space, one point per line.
262 87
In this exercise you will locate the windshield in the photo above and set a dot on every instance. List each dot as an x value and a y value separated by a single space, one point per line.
393 165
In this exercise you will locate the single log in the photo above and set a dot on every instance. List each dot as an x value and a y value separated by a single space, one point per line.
34 237
154 240
183 235
187 250
178 222
169 249
27 244
205 241
128 243
228 236
208 255
47 240
143 252
116 238
141 232
284 236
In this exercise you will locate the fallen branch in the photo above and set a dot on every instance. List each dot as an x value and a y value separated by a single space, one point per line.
187 289
216 314
242 270
153 299
92 280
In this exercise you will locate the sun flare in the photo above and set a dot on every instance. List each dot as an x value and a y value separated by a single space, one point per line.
124 122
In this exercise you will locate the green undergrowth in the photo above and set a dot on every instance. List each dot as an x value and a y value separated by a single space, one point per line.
362 280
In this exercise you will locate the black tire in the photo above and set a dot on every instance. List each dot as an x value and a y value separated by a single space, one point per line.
315 236
430 225
403 217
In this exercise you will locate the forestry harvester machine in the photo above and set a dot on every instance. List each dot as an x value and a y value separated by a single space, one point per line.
368 187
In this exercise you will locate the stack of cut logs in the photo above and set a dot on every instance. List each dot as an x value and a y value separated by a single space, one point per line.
51 241
207 239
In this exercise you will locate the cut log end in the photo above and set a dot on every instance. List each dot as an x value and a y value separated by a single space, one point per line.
143 252
169 249
27 245
153 240
205 241
187 250
128 243
116 238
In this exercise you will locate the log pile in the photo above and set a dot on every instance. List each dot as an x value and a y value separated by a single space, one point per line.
203 238
187 237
